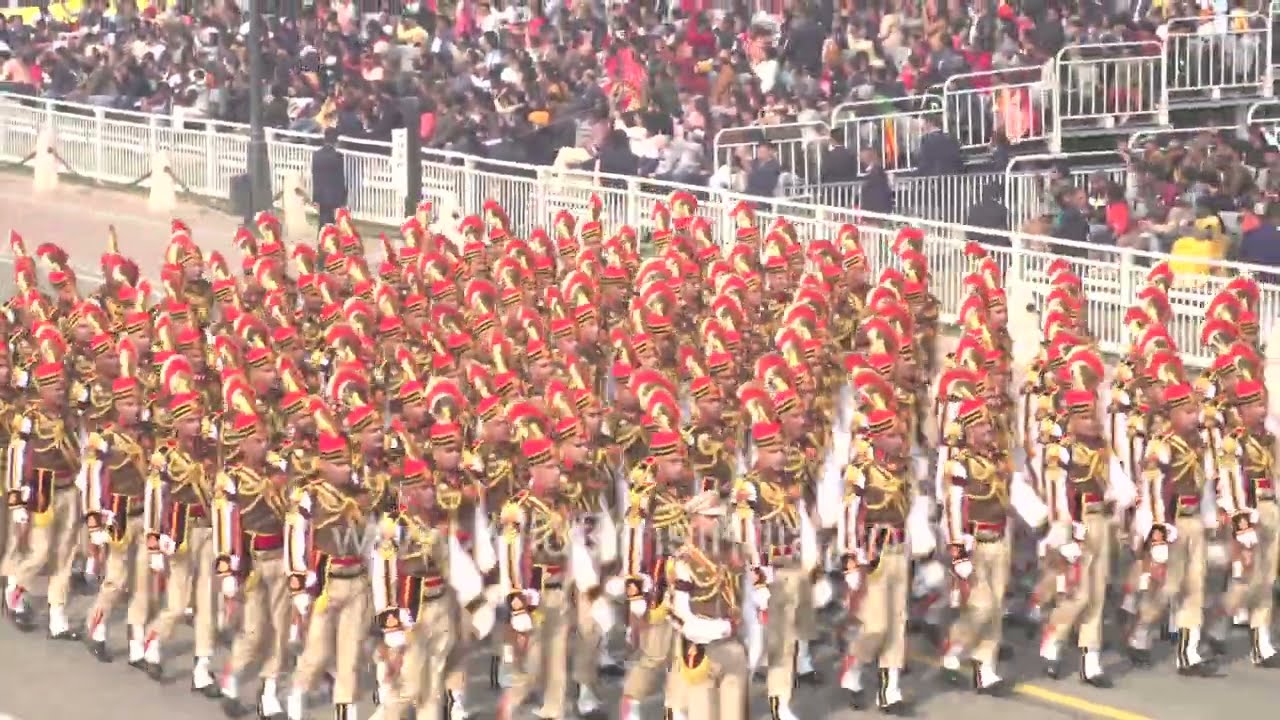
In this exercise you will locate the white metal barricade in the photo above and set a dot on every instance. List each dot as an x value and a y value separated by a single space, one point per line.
530 194
1028 192
1105 86
800 146
1164 137
1015 101
1217 59
880 124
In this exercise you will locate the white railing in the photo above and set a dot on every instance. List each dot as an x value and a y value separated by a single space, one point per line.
120 151
799 146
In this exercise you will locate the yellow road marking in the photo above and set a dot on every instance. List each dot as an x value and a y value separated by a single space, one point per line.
1071 702
1063 700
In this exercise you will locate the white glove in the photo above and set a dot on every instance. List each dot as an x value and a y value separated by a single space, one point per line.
302 603
167 545
311 580
1056 536
20 516
394 639
615 587
532 598
1077 531
157 562
602 613
99 537
1071 551
760 597
1160 553
230 586
853 580
638 607
962 568
521 622
1247 538
483 619
822 592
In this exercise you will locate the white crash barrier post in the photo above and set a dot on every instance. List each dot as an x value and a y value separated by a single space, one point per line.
163 196
45 164
296 225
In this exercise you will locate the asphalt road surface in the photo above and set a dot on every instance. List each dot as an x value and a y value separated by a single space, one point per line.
42 679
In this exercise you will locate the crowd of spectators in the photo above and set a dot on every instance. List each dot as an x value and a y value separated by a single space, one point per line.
623 87
1211 196
632 88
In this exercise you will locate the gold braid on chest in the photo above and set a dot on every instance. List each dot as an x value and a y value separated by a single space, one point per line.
987 477
891 488
777 505
546 523
422 538
124 451
1090 463
1258 456
259 486
337 506
1184 461
710 579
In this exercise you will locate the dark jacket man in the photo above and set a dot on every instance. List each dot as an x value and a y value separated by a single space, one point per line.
328 178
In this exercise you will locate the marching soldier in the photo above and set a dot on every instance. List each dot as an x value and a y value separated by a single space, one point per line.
180 532
1083 484
872 538
416 565
9 409
43 503
1170 524
585 487
534 568
976 512
654 521
328 578
250 501
1247 497
118 463
788 557
707 608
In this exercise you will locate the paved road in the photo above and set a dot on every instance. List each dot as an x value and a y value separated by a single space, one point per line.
40 679
77 217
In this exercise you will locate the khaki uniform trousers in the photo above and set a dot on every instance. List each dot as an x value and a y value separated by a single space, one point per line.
883 611
652 661
127 570
978 630
587 639
190 585
545 657
723 694
264 629
464 646
419 685
6 527
1184 578
52 543
1256 591
790 599
1086 601
338 626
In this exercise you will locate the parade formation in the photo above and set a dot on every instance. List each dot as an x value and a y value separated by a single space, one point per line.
536 451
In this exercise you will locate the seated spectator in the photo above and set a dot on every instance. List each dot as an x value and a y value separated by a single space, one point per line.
1204 242
1261 245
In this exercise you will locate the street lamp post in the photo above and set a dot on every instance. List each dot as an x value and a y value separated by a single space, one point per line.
258 160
